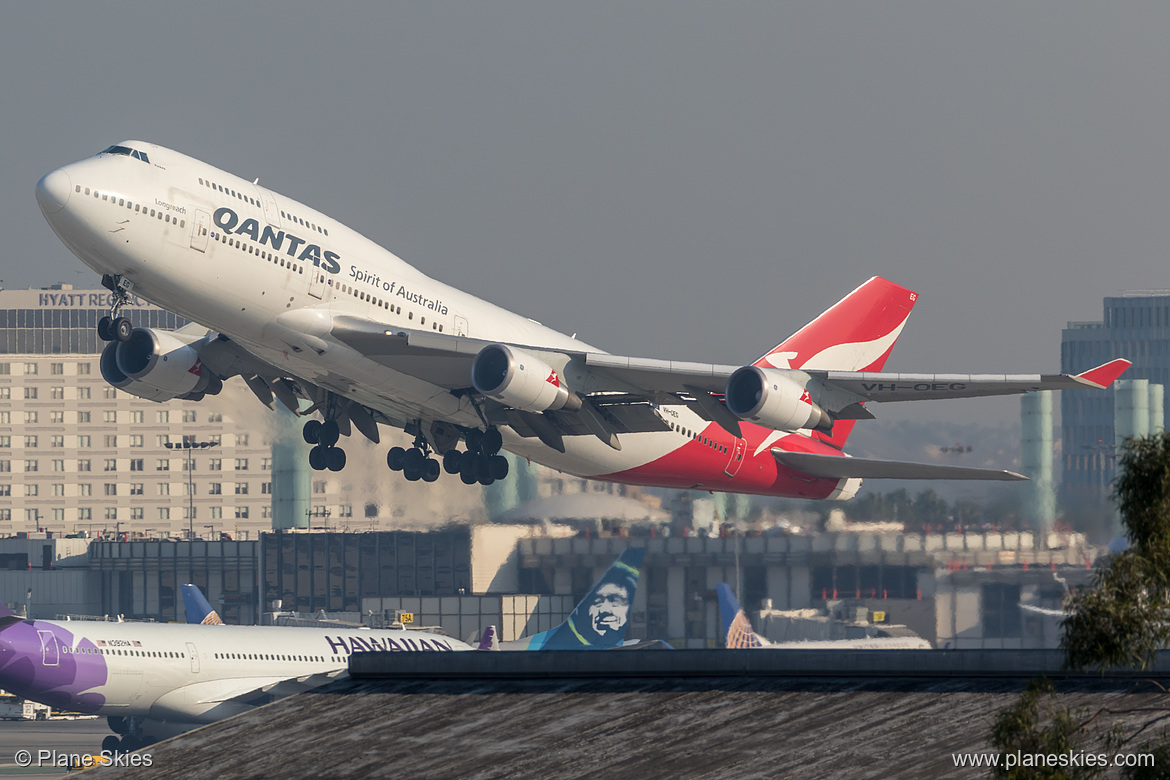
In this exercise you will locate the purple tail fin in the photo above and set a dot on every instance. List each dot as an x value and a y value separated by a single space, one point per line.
489 641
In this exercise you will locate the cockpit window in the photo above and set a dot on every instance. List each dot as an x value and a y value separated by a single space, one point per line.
128 152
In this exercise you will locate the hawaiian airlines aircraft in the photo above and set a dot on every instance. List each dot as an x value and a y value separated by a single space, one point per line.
319 318
155 680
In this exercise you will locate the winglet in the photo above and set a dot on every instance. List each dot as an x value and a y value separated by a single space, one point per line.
1103 375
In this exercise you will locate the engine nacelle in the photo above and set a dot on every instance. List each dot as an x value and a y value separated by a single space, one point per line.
520 380
108 365
157 359
770 398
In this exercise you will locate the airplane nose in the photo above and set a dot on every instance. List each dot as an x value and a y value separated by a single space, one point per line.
53 191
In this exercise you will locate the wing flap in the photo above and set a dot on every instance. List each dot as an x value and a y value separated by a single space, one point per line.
843 467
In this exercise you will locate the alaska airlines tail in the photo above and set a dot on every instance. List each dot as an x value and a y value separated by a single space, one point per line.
488 640
600 621
198 609
737 629
855 334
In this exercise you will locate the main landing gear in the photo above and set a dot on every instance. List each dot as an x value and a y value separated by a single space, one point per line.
481 462
326 455
112 327
131 737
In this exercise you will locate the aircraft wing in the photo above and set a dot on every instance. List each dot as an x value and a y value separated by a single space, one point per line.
844 467
617 380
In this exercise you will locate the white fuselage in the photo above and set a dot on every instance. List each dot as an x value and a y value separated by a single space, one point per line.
178 672
234 256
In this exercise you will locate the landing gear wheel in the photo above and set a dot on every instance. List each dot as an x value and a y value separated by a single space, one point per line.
483 469
473 439
414 460
491 441
431 470
411 475
330 433
122 328
467 477
105 329
335 459
467 469
396 458
498 466
317 458
451 461
110 744
312 432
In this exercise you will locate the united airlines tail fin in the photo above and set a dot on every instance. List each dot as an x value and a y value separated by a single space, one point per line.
600 621
737 629
199 610
855 334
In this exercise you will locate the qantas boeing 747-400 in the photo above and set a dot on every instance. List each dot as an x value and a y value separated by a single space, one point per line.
324 321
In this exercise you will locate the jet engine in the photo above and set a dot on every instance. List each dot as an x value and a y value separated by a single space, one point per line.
770 398
520 380
155 365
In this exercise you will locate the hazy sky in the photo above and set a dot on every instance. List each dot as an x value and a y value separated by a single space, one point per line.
678 180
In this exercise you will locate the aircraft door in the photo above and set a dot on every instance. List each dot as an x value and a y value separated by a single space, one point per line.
271 211
194 657
460 325
317 279
50 651
736 460
199 228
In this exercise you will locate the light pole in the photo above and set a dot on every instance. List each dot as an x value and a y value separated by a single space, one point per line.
189 444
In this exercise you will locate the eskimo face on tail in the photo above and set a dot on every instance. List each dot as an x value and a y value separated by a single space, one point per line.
609 609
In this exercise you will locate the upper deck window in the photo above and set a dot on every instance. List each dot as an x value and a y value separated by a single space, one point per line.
126 151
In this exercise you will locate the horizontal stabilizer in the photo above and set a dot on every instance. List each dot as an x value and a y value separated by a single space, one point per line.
840 467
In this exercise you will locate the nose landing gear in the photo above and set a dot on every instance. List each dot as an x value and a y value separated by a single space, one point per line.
112 327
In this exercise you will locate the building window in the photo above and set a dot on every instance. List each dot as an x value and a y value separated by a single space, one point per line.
319 486
83 369
83 417
214 464
30 392
30 417
214 489
162 417
136 513
111 441
164 488
111 393
136 416
5 441
345 510
266 464
5 393
5 418
57 417
241 488
241 464
84 513
214 417
83 442
83 395
217 513
111 513
137 464
58 465
57 440
110 464
162 440
30 369
57 393
30 441
188 415
241 440
136 488
83 464
241 513
58 489
266 488
30 465
5 490
57 369
136 440
162 464
5 465
110 416
30 489
5 368
85 489
111 489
